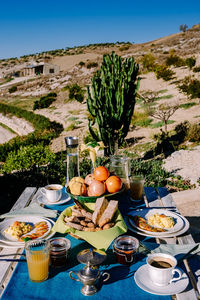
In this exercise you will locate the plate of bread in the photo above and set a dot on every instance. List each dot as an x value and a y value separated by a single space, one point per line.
97 223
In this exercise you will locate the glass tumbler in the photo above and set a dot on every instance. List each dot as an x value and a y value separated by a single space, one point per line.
136 187
120 166
37 255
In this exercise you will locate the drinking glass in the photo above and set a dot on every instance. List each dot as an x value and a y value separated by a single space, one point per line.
120 166
37 255
136 187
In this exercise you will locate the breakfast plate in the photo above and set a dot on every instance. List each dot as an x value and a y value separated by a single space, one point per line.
21 245
41 199
142 279
148 212
161 234
32 220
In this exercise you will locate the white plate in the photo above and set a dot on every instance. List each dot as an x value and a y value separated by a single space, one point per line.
42 199
142 280
147 212
21 245
162 234
7 238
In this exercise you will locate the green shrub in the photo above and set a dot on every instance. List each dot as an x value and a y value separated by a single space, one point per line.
148 62
196 69
193 134
81 64
12 89
45 101
175 61
187 105
164 72
92 65
190 62
191 87
141 119
45 130
124 47
71 127
27 157
76 92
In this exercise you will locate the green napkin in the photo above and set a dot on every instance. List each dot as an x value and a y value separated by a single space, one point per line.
32 210
100 239
177 250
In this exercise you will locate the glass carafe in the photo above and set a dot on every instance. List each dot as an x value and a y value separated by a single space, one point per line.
72 158
120 166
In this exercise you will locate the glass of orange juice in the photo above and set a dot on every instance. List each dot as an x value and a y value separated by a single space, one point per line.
37 255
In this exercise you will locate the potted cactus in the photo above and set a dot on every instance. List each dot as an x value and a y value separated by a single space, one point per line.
111 100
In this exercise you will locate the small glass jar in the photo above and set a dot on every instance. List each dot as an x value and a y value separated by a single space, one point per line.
125 249
59 253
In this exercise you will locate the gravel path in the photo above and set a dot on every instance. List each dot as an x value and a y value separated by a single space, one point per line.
185 163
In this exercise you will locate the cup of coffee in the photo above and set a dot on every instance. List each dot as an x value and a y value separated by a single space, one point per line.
161 269
52 192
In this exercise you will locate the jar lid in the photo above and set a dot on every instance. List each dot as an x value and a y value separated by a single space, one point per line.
94 257
60 244
126 243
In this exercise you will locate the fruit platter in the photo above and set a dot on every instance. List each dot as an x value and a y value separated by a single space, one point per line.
97 184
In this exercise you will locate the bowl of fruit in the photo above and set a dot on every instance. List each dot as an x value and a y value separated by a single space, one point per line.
99 183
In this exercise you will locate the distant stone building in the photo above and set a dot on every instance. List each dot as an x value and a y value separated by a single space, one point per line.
40 68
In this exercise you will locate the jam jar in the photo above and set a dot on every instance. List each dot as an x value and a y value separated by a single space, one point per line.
59 251
125 249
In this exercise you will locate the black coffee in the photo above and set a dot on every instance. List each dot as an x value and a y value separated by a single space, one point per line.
162 264
51 188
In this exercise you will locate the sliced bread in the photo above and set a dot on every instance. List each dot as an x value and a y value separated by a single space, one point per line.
108 213
100 206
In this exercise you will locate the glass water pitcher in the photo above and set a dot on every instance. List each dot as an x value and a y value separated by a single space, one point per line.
72 158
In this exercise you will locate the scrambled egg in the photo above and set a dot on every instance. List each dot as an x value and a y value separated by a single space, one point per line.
17 229
161 221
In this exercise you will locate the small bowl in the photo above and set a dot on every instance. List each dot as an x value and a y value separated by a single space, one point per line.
93 199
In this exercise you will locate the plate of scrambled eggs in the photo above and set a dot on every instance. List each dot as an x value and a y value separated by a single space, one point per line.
159 222
15 230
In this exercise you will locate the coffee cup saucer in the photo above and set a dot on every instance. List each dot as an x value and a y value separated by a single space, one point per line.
142 280
41 199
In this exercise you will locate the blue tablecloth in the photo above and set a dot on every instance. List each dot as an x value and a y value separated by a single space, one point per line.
59 286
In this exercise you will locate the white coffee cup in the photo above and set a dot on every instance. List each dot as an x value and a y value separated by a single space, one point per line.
52 192
161 268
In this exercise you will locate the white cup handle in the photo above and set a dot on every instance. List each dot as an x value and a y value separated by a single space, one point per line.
176 278
43 191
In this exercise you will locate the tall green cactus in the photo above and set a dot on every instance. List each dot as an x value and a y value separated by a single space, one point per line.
111 100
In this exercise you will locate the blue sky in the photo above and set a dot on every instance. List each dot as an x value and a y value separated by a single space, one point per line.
33 26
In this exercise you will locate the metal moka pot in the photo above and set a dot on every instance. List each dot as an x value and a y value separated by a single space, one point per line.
90 274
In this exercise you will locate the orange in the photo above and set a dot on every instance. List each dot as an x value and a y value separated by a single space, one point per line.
113 184
101 173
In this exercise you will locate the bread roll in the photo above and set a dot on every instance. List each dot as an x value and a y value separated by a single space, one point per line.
100 206
108 213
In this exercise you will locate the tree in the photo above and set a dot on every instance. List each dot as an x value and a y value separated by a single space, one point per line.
163 112
183 27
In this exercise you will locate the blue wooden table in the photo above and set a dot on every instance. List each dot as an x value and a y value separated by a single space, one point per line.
15 283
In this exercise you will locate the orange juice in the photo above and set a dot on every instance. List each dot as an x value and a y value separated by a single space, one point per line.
38 266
